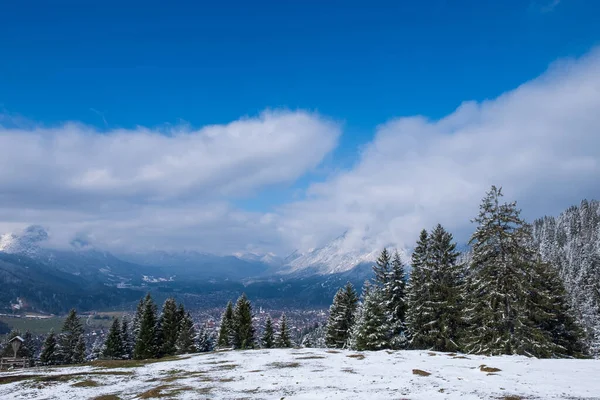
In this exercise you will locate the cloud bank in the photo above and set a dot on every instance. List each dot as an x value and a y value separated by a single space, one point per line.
174 188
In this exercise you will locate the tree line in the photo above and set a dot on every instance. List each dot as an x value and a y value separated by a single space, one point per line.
500 298
148 335
237 329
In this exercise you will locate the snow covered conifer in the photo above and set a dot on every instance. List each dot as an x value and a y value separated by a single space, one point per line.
283 339
268 337
205 341
137 318
382 268
169 324
226 329
501 280
71 340
341 317
395 303
186 338
147 343
419 311
113 346
243 328
127 339
49 355
371 328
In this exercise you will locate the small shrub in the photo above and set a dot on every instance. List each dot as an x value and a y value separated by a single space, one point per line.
358 356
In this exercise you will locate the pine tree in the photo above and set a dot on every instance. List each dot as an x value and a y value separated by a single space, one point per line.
137 318
553 314
127 339
206 341
226 329
371 329
113 346
395 303
382 268
341 317
147 343
268 338
419 309
49 355
243 329
501 275
187 336
72 345
169 323
283 339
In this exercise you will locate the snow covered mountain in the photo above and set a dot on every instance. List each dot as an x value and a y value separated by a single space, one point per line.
337 256
26 242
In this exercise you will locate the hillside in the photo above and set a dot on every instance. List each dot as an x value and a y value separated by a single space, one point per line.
313 374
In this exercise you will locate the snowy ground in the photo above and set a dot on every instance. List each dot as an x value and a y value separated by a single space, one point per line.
314 374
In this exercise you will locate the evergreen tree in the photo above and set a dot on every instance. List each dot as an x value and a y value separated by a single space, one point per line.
226 329
341 317
49 355
147 343
382 268
243 329
553 314
501 281
169 324
371 329
187 335
205 340
127 339
283 339
72 345
395 303
113 346
137 318
268 338
419 311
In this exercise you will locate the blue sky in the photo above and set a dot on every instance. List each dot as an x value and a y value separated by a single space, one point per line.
112 65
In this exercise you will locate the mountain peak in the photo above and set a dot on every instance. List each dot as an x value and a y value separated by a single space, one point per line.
26 241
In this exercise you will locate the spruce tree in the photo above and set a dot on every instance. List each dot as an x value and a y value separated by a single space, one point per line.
113 346
169 323
553 314
226 329
371 329
137 318
72 345
382 268
205 341
283 339
501 281
187 336
268 337
49 355
243 329
395 303
127 339
419 310
147 343
341 317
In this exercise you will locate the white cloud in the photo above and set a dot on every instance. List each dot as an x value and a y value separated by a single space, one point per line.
150 187
540 141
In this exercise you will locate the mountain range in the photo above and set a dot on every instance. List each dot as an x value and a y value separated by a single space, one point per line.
310 278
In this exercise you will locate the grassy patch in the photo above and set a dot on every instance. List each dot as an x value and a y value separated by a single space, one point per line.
225 367
431 354
348 370
107 397
485 368
332 351
461 357
420 372
309 357
226 380
205 390
358 356
511 397
216 362
15 378
86 383
256 370
157 392
284 365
